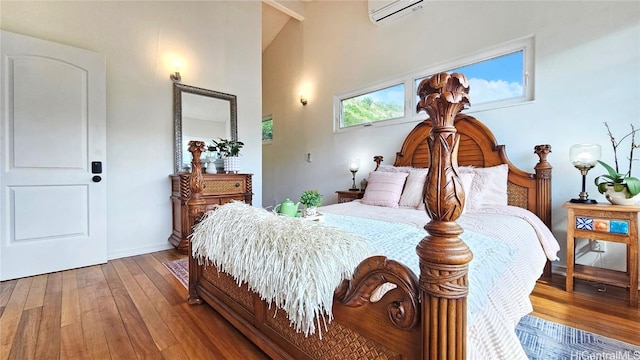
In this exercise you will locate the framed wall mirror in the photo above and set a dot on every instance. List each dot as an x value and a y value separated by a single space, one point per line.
200 114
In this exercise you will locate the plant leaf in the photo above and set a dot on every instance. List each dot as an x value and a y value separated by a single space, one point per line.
612 172
633 185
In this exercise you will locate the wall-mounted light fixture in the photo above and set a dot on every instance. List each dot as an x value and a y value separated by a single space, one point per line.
175 77
303 99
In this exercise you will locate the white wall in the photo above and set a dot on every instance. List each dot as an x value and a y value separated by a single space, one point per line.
220 45
587 57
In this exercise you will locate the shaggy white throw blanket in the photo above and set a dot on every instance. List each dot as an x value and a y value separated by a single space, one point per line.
275 254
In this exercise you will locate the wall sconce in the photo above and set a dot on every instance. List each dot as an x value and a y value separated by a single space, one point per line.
175 77
584 157
303 99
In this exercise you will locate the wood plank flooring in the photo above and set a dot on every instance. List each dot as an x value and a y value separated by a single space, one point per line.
592 307
133 308
130 308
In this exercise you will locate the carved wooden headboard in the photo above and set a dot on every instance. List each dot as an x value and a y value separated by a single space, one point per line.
478 147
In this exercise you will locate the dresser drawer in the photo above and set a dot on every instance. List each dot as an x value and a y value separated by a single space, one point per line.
225 186
214 185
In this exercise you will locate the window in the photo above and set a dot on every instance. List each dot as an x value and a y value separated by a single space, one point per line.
499 76
377 105
267 129
498 80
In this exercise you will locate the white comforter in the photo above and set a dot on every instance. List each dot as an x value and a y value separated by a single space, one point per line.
509 246
501 275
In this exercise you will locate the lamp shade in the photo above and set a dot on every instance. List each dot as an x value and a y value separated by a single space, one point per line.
354 164
585 155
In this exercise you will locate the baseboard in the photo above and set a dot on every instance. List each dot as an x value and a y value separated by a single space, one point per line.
138 251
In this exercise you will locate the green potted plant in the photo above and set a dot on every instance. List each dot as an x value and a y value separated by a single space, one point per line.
229 150
311 199
619 188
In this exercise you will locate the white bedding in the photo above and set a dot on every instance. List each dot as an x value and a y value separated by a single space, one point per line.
509 246
499 294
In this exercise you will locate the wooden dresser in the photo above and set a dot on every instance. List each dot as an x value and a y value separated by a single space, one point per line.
218 189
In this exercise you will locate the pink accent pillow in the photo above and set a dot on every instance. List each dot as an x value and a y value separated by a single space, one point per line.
384 188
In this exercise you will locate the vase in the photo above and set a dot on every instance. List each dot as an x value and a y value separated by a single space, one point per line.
620 197
310 210
211 168
219 166
231 164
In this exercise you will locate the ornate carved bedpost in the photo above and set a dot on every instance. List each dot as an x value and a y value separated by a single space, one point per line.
543 192
196 209
444 257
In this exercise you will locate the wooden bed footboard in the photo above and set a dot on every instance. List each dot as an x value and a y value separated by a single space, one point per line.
361 329
422 317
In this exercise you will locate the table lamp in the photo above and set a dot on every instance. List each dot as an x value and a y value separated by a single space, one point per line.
354 165
584 157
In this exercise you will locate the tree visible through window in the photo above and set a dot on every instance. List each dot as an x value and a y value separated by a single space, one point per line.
502 75
383 104
267 128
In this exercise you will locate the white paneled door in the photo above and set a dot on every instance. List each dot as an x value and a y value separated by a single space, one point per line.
52 157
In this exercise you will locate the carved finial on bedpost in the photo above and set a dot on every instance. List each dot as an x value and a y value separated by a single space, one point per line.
377 159
444 257
543 192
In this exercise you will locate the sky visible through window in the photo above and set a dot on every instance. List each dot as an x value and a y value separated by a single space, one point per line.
495 79
498 78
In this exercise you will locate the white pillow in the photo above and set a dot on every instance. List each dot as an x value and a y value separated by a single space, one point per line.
384 188
391 168
412 193
467 180
489 186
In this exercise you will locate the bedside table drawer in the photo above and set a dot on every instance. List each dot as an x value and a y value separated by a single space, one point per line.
349 195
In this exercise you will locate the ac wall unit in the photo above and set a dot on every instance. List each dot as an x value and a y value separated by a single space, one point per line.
383 11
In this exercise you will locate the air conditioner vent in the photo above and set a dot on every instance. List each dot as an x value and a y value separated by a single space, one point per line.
382 11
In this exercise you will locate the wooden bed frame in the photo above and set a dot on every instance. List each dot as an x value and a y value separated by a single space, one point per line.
423 317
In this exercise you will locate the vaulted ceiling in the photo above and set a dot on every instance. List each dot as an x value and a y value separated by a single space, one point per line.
273 21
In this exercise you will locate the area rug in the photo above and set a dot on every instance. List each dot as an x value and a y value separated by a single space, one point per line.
179 269
541 339
544 339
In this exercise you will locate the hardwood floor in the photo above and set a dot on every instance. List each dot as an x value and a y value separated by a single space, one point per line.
592 307
133 308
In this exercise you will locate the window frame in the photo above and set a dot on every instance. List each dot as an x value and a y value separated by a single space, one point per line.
369 90
524 44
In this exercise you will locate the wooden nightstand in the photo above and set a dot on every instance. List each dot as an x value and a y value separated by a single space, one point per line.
604 222
349 195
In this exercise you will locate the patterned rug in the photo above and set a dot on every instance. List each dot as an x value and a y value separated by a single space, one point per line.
544 339
540 338
179 269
